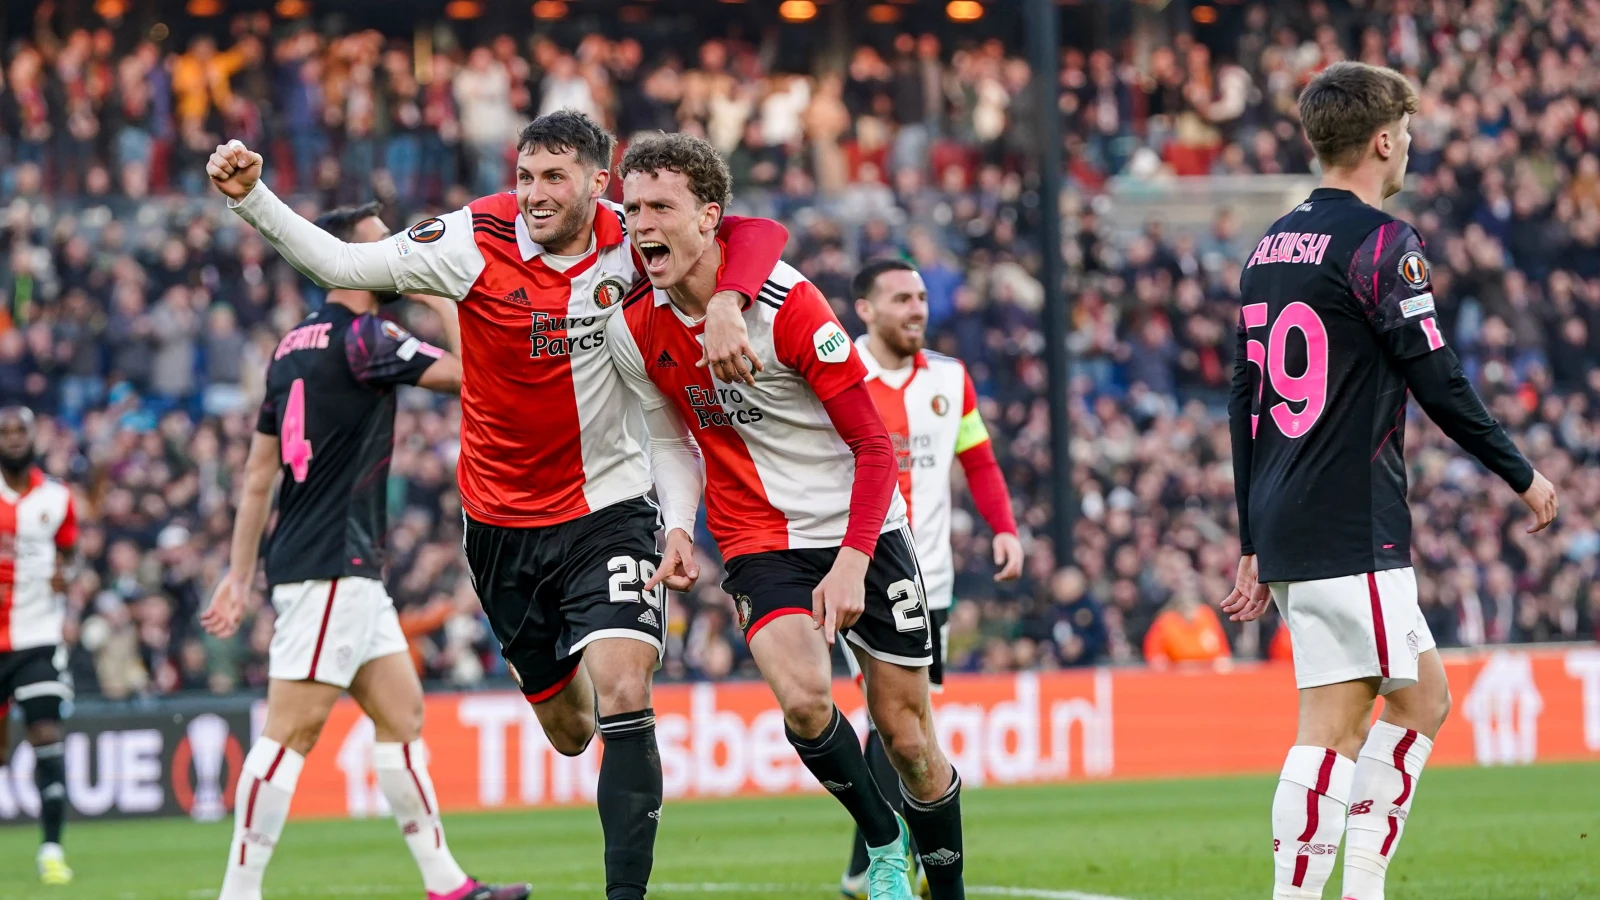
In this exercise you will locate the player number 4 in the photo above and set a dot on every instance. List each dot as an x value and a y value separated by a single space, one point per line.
296 449
1309 387
626 574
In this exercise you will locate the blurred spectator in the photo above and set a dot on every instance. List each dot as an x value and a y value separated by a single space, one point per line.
137 316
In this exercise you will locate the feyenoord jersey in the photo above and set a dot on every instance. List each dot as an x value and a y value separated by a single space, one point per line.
778 475
931 417
330 402
1335 297
548 433
33 526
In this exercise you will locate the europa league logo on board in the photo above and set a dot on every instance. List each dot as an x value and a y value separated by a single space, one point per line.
208 747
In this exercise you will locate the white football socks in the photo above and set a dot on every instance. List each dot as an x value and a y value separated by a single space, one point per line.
1308 820
260 807
403 775
1385 784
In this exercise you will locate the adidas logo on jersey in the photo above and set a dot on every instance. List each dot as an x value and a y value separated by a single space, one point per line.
648 617
520 295
941 857
665 361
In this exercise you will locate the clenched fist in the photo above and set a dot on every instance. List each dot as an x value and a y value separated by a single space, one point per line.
234 169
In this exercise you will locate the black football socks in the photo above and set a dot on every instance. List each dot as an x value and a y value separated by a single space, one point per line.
629 798
888 784
834 757
936 825
50 776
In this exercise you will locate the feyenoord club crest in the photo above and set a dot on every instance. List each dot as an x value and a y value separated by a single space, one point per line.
941 404
609 292
741 605
394 331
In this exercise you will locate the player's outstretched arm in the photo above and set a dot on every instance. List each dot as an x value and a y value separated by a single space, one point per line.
222 615
330 262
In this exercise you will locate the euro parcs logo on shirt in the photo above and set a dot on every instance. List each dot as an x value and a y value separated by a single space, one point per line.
831 343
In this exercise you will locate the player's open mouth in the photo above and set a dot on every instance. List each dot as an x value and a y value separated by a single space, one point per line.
656 256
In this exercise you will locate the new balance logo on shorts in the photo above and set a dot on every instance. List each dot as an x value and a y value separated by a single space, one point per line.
941 857
648 617
665 361
1361 809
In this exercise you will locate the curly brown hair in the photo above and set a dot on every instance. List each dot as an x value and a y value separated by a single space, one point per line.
1346 103
689 156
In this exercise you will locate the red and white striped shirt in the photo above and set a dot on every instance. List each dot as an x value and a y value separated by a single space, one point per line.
34 525
931 411
778 473
547 432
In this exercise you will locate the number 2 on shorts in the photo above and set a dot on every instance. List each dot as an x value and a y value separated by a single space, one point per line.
296 449
907 607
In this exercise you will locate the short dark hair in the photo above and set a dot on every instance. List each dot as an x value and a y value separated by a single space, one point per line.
1346 103
342 222
569 131
861 284
693 158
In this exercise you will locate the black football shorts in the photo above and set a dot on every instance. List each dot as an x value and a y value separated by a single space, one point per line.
551 591
37 680
894 626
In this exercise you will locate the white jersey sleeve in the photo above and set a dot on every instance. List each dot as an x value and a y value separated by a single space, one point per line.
435 256
675 463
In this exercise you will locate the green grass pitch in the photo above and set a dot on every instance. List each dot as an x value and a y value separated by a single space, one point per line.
1496 834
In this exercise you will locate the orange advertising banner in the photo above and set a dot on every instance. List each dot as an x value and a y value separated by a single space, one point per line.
1512 706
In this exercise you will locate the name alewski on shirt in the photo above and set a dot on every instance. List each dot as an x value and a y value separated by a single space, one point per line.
1290 247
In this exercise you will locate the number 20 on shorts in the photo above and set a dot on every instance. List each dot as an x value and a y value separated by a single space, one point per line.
1309 387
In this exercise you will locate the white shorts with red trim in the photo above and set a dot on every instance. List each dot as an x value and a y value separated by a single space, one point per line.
327 630
1354 627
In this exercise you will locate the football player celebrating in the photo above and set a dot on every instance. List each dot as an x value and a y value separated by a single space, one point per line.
800 497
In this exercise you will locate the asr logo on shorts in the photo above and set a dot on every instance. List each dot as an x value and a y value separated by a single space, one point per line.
1411 643
741 605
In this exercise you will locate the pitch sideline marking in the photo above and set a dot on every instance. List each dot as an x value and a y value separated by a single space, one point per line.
1023 893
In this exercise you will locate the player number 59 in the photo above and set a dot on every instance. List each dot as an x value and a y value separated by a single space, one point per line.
1309 387
626 574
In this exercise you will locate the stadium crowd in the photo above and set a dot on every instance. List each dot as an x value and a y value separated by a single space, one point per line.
138 316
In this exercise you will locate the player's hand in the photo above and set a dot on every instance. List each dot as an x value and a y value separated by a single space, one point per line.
1249 598
840 599
234 169
727 342
1541 498
221 616
678 569
1008 556
58 582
